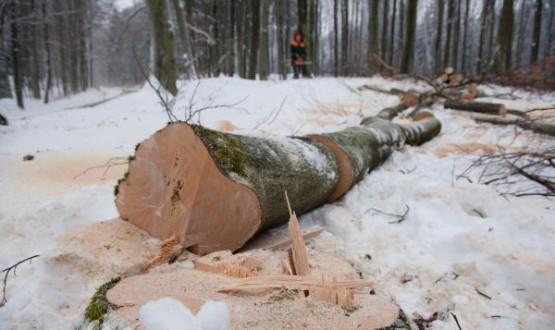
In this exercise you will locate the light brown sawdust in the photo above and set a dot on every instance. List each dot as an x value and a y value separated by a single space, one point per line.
276 309
104 250
465 149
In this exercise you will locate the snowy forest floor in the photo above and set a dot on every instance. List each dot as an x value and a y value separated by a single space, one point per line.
462 248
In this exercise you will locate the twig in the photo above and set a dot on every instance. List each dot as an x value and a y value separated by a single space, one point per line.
482 294
13 267
108 165
400 217
456 320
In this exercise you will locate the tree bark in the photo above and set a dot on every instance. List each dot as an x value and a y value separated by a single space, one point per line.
48 63
373 37
214 191
537 32
18 87
255 33
164 49
439 30
345 37
5 89
264 44
336 37
505 37
408 47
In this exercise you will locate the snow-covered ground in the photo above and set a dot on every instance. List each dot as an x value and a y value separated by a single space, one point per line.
462 248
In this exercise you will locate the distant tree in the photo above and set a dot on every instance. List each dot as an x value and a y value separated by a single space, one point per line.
536 39
255 32
505 37
410 33
5 89
164 49
439 31
345 37
264 41
336 37
373 36
15 43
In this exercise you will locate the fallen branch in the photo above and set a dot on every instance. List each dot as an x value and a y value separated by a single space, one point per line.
6 272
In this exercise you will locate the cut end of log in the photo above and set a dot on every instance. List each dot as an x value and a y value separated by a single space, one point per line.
175 188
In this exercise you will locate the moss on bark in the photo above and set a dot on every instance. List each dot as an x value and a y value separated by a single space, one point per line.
99 305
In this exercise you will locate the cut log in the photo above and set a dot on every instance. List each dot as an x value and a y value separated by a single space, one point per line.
214 190
536 126
480 107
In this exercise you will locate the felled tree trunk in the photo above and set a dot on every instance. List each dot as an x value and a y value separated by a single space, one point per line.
214 191
479 107
537 126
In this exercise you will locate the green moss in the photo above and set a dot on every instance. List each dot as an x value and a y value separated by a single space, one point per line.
99 305
228 152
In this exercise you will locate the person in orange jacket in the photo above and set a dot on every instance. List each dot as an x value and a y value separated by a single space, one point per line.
298 54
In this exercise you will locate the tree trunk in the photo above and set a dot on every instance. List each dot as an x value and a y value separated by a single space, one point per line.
448 47
527 124
336 37
385 15
214 191
373 37
164 51
48 63
408 46
255 32
391 59
537 32
345 37
439 30
5 89
505 37
264 44
18 87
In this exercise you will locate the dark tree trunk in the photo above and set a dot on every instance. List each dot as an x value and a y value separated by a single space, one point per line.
264 41
345 37
336 37
5 89
255 33
439 32
408 46
536 39
18 87
505 37
48 63
385 25
448 46
373 37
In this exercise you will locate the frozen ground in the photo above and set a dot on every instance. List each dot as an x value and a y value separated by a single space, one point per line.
459 243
